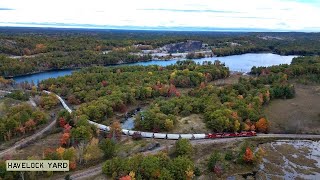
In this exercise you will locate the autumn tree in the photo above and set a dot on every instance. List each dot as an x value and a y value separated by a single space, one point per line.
30 125
248 155
262 125
62 122
181 167
115 130
92 152
60 151
26 52
40 48
48 101
169 124
64 141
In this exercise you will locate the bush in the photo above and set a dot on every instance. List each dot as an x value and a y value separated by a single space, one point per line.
213 160
183 147
228 156
19 95
197 172
108 147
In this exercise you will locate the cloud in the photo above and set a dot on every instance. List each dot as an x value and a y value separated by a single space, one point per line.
5 9
291 15
190 10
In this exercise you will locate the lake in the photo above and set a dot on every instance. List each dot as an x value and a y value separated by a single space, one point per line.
242 63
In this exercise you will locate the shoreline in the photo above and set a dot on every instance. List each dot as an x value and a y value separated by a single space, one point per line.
128 63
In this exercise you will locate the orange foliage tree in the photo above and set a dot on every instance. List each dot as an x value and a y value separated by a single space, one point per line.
73 165
262 125
30 125
115 130
60 151
65 139
127 177
248 155
40 48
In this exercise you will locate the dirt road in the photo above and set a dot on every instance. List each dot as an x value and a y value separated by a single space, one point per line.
28 139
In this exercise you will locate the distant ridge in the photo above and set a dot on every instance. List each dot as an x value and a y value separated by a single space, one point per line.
147 28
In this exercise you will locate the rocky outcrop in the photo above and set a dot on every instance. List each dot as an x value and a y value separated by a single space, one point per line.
181 47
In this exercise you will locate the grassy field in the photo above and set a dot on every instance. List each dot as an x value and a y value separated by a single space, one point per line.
298 115
191 124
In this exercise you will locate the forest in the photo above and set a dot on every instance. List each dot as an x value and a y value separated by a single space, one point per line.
304 69
19 120
49 49
102 92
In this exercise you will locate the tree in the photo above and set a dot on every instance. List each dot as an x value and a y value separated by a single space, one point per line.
66 128
262 125
259 155
93 152
62 122
115 130
179 166
81 133
48 101
169 124
248 155
183 147
215 157
39 117
73 100
108 147
73 165
127 177
189 174
30 125
69 154
60 151
64 141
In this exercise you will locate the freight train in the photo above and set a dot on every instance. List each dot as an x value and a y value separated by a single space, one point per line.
164 135
177 136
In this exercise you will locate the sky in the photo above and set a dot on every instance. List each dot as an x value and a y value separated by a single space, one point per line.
234 15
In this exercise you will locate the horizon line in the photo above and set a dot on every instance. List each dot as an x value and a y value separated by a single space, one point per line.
149 28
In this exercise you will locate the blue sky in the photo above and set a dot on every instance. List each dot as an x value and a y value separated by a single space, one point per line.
251 15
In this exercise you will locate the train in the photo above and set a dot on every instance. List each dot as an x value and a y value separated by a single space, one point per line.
177 136
165 135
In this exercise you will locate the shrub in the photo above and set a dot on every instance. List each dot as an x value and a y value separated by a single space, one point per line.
183 147
229 155
108 147
213 160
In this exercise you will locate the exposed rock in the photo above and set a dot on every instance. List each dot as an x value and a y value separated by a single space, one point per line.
183 46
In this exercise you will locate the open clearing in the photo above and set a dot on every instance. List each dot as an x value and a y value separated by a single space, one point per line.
191 124
298 115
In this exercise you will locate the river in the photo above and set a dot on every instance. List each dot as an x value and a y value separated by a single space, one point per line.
242 63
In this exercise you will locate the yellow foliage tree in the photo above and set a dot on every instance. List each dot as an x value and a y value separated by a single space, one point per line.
60 151
169 124
189 174
93 152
